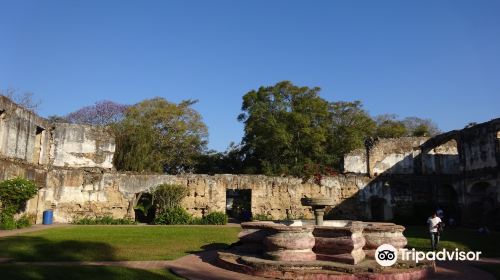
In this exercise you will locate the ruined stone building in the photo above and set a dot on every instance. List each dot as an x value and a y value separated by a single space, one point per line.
402 179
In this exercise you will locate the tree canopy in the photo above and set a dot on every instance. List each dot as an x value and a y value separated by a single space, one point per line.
285 128
292 130
160 136
102 113
288 130
350 125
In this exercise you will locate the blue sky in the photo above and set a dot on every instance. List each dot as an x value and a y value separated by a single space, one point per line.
432 59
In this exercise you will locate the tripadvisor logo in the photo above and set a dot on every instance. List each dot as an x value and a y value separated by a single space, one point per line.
387 255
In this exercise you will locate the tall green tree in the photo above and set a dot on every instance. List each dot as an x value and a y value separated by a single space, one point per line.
229 162
285 128
388 126
420 127
350 125
160 136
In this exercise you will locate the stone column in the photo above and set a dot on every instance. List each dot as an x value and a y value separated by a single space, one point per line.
319 212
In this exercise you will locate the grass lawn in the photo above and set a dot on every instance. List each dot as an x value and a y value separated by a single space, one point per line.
112 243
15 272
463 239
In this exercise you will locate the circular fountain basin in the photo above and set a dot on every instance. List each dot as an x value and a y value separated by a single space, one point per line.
318 201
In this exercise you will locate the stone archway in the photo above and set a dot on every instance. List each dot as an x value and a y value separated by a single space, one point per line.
481 203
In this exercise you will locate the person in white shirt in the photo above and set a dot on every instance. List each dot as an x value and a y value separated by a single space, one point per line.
434 223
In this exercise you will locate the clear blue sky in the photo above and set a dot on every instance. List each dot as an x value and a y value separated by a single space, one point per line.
432 59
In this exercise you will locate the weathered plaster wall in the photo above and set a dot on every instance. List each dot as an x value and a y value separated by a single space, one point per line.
72 164
443 159
355 162
26 136
394 155
386 156
480 148
82 146
77 193
23 135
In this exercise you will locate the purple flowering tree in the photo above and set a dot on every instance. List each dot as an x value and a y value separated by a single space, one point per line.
101 113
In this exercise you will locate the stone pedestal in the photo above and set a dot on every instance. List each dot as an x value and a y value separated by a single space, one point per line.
290 244
318 215
318 205
340 244
281 242
377 234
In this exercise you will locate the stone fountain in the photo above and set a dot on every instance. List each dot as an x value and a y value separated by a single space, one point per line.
331 249
318 205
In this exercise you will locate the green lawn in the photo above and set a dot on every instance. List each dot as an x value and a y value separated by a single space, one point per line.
463 239
15 272
112 243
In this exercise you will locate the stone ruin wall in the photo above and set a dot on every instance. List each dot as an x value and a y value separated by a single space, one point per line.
457 170
26 137
91 192
73 166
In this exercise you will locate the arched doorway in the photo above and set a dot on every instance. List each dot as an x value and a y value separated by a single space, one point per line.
481 204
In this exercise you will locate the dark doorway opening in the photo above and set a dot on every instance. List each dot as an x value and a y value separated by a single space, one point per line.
377 207
239 204
144 210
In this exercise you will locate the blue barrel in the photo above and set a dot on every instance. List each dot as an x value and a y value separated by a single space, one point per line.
47 217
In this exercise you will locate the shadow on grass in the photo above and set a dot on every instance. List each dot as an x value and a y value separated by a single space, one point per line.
463 239
22 248
210 247
16 272
208 253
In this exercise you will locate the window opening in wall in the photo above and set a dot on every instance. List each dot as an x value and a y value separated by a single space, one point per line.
3 131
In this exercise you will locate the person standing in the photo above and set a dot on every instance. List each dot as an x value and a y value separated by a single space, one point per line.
434 223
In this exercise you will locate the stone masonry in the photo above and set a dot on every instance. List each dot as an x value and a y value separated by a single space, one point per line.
388 179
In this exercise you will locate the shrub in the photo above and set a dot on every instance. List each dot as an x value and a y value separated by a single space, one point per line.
262 217
104 220
14 194
174 216
215 218
179 216
25 221
168 196
7 221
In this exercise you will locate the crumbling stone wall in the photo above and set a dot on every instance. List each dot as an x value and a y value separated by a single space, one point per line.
23 135
389 179
82 146
86 192
27 137
458 170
